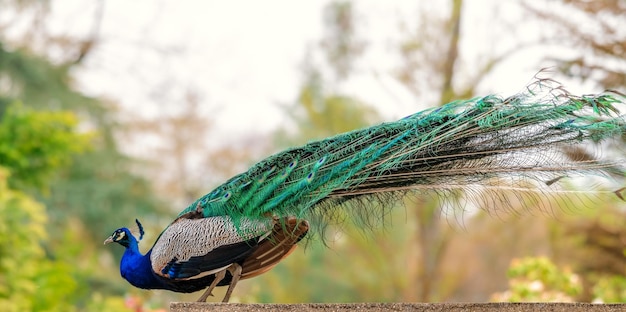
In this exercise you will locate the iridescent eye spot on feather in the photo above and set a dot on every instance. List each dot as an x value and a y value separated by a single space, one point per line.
226 196
289 168
266 174
310 177
320 162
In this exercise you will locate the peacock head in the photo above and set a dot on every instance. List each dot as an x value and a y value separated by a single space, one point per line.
124 236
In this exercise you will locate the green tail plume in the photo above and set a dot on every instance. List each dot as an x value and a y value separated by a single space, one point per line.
539 135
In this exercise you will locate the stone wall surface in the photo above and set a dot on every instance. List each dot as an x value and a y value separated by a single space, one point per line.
367 307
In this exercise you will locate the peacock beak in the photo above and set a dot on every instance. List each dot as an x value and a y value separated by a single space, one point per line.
108 240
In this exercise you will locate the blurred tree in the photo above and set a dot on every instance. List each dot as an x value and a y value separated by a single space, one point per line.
186 147
593 242
319 113
35 277
32 146
29 280
35 153
99 192
433 52
42 84
341 44
592 33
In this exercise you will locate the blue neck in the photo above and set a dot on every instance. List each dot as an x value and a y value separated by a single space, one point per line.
137 269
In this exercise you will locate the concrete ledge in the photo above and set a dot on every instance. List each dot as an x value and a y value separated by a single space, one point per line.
430 307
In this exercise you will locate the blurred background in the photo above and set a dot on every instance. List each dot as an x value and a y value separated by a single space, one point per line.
113 110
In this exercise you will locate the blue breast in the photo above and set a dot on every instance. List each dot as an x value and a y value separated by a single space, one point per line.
137 270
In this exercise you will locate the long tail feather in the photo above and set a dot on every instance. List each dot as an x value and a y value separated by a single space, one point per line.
538 135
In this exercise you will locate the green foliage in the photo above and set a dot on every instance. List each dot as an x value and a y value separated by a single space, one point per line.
610 289
34 144
539 279
99 303
37 273
29 280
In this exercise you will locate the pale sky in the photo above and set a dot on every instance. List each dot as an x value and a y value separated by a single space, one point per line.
244 57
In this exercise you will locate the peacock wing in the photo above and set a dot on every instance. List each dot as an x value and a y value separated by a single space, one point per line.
272 249
196 247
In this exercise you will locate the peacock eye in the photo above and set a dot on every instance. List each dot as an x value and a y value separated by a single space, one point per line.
119 235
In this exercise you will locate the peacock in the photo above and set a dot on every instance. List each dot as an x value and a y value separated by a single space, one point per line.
525 143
